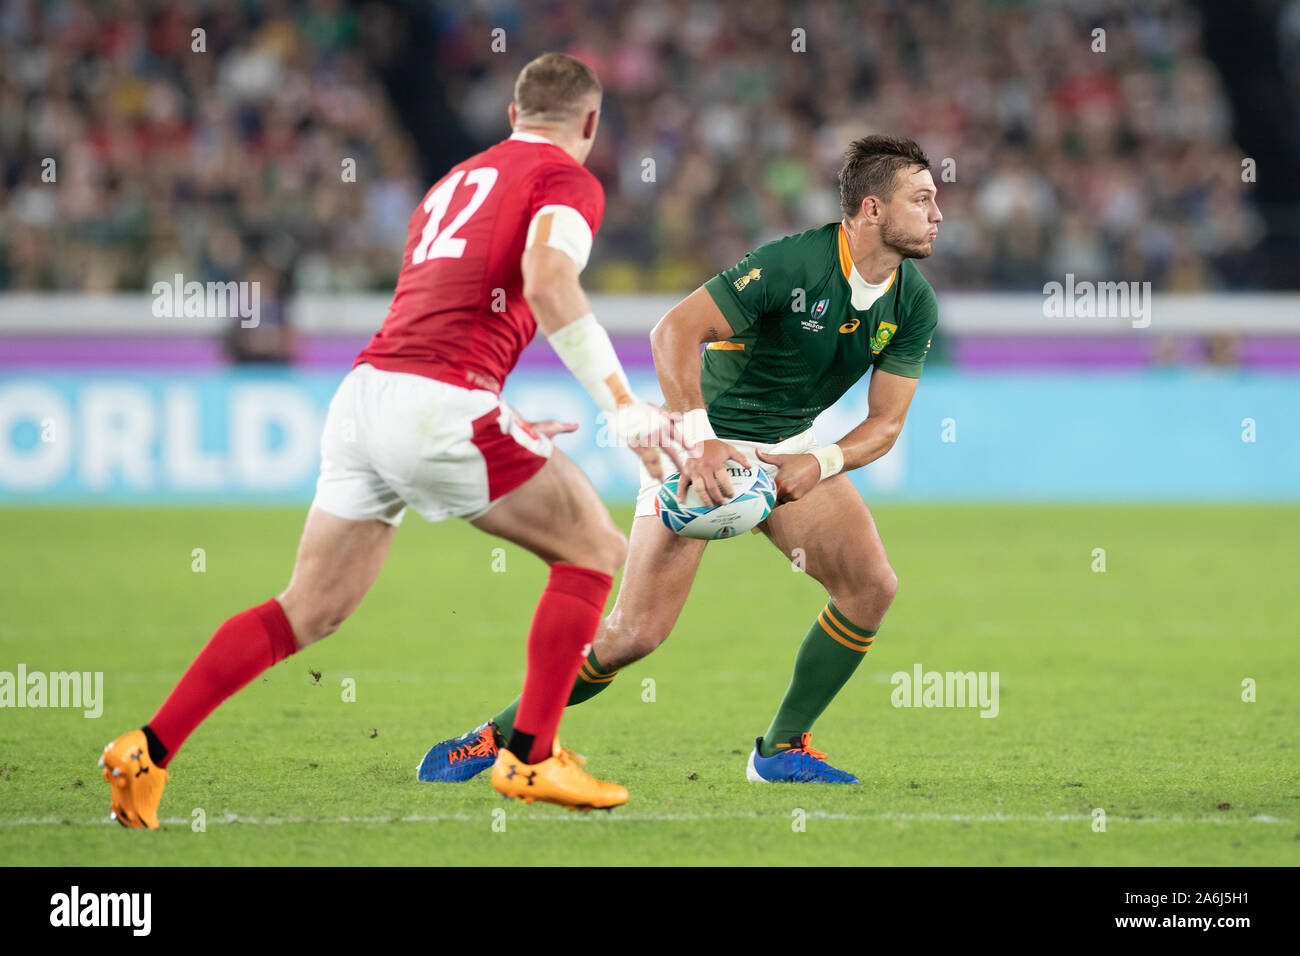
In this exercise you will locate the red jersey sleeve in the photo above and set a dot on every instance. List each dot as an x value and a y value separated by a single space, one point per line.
569 184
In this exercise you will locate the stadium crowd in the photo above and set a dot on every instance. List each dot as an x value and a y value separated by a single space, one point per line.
723 126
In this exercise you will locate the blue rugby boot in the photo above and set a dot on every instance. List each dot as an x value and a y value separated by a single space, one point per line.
462 758
795 762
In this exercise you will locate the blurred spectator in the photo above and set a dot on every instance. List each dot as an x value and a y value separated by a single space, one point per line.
716 135
169 160
269 340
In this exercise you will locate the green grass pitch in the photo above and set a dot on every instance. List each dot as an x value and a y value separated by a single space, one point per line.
1119 690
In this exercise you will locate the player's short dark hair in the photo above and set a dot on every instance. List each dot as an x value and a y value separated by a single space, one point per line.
551 88
871 166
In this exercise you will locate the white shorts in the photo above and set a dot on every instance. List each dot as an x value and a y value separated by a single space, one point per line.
394 439
796 445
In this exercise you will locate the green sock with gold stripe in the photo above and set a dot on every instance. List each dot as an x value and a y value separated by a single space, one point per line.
826 660
591 681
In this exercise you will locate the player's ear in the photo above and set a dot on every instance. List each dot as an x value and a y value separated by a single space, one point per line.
511 113
590 123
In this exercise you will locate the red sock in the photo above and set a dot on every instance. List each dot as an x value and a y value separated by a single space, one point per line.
245 646
565 623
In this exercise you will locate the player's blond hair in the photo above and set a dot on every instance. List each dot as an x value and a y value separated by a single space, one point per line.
551 89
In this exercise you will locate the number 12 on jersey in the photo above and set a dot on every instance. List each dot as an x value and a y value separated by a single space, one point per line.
435 244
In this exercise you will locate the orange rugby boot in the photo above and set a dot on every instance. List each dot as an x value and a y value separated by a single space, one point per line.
136 781
558 779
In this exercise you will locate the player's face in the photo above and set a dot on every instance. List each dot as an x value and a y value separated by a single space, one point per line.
912 216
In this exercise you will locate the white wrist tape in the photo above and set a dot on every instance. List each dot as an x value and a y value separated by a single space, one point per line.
831 458
586 350
696 427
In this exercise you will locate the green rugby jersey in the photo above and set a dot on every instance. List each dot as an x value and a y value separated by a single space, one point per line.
793 355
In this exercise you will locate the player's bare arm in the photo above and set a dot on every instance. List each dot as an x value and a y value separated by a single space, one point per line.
563 313
552 289
888 398
675 343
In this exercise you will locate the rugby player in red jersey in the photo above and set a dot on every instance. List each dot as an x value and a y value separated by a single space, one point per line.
493 253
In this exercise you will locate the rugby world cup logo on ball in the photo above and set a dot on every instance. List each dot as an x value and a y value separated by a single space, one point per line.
754 499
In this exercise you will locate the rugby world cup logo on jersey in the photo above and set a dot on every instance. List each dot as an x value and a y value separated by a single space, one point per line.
818 310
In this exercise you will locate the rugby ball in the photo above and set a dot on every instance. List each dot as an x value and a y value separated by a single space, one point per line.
754 499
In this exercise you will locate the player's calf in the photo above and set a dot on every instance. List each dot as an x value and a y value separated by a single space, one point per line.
338 560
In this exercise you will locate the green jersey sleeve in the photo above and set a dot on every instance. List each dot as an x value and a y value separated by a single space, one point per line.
751 288
905 352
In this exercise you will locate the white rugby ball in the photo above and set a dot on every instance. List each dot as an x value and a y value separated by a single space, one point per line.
753 500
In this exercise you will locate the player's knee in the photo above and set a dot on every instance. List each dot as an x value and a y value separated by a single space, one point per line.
618 550
311 624
328 624
877 591
608 550
625 638
867 596
885 584
627 646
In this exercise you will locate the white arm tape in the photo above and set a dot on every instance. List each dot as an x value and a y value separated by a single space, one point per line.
831 458
696 427
586 350
563 228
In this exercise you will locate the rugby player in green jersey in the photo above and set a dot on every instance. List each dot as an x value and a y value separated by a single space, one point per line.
786 332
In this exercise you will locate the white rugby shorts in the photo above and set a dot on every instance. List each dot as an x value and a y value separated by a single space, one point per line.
394 439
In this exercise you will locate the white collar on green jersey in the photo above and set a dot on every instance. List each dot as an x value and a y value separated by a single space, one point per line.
863 294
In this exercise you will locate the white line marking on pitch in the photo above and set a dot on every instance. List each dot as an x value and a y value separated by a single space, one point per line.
671 818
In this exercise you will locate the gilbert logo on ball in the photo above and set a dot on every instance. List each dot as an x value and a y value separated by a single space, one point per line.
754 499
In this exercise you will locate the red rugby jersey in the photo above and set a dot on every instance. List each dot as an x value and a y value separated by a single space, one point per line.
459 313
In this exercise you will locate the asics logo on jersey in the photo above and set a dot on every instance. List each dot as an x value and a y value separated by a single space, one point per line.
752 276
851 326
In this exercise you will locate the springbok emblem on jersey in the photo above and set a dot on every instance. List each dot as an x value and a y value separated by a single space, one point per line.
884 332
752 276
